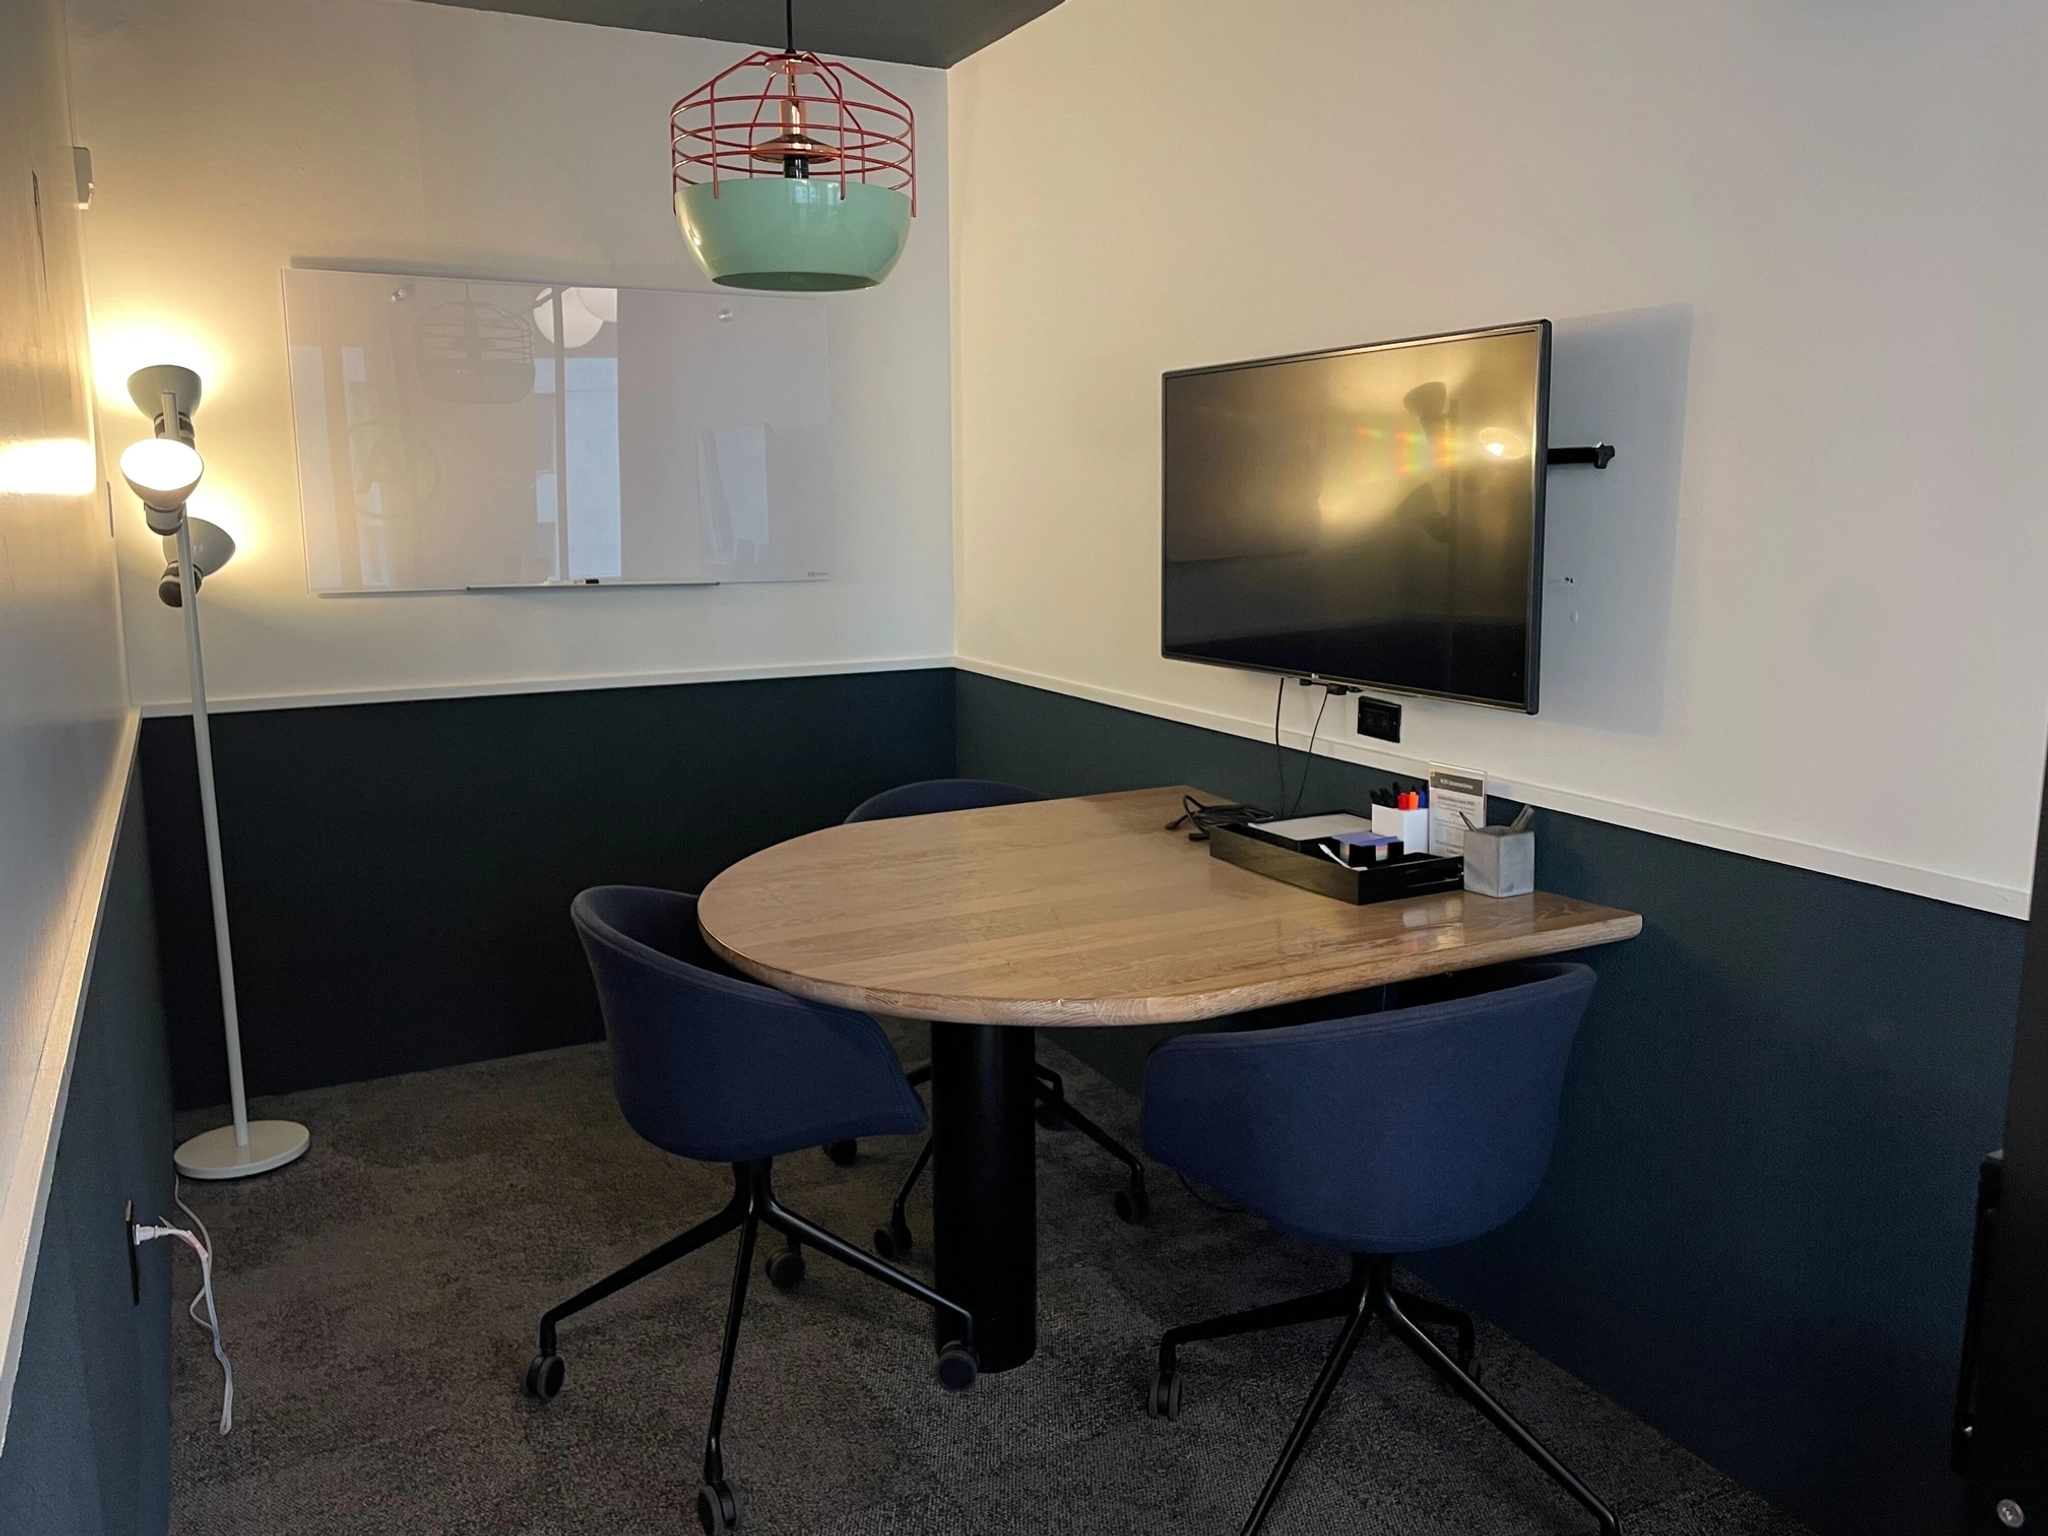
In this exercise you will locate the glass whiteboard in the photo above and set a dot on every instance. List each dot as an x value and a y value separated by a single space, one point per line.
456 434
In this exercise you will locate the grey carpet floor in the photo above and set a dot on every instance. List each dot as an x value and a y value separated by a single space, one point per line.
379 1301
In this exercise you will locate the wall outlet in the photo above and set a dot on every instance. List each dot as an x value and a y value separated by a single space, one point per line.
1378 718
134 1255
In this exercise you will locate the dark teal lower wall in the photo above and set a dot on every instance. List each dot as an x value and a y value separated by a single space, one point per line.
89 1438
399 875
1755 1231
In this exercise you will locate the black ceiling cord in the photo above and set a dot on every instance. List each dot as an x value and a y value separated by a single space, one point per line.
789 26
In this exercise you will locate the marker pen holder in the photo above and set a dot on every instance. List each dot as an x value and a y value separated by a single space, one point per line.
1501 861
1411 827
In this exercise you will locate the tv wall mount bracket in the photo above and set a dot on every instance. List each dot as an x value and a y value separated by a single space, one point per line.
1599 456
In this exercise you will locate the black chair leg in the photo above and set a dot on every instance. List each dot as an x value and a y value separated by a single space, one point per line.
895 1240
1437 1315
1390 1307
1163 1401
708 1231
753 1204
718 1508
1132 1203
957 1367
1304 1424
1052 1095
1339 1301
1370 1292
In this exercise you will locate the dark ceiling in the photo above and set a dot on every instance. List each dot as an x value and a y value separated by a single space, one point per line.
935 32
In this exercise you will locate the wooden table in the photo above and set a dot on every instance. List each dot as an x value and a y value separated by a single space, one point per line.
1068 912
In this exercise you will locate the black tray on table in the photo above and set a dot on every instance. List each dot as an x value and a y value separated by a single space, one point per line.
1407 874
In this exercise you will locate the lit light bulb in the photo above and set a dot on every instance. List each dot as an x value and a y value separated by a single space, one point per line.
163 471
1499 443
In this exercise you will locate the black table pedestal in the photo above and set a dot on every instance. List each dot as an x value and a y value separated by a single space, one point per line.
985 1185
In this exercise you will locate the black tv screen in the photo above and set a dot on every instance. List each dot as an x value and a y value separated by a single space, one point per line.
1372 515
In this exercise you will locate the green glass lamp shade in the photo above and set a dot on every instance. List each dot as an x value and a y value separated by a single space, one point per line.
806 235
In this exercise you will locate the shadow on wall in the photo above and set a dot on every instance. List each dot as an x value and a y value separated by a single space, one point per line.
1610 536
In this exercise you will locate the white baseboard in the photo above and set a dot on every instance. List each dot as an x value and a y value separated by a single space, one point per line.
232 703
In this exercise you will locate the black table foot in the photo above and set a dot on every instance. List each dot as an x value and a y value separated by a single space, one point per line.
985 1184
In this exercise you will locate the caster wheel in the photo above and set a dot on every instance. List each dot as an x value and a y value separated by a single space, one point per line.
718 1508
894 1240
957 1367
1134 1205
1163 1401
844 1153
785 1270
1048 1115
544 1378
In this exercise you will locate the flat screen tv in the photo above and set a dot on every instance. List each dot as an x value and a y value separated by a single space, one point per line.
1372 515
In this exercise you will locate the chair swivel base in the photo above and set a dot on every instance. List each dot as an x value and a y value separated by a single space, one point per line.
214 1154
753 1205
1368 1294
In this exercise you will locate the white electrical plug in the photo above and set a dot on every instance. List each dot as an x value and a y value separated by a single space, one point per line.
145 1234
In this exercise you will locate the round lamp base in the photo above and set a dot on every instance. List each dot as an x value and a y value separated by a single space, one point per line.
214 1155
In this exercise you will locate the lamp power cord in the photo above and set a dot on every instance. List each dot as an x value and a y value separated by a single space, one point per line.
210 1322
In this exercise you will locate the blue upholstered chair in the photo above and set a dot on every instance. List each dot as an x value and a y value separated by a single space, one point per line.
925 799
709 1065
1385 1133
928 797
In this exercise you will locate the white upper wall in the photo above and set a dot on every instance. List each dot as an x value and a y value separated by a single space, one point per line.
1793 255
232 138
61 697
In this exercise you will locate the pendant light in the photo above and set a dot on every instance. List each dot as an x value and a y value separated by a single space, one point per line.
794 172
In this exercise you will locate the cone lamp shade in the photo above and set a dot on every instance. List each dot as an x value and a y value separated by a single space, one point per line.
162 471
794 173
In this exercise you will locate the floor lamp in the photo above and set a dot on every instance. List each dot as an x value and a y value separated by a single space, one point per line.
163 471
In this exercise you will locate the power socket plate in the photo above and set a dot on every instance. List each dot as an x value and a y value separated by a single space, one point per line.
1379 719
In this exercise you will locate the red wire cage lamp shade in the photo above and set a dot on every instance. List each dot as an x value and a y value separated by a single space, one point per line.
794 172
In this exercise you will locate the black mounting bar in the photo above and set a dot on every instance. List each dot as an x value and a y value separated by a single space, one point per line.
1599 455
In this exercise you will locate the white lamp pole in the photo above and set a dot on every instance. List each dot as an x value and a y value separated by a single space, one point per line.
164 477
